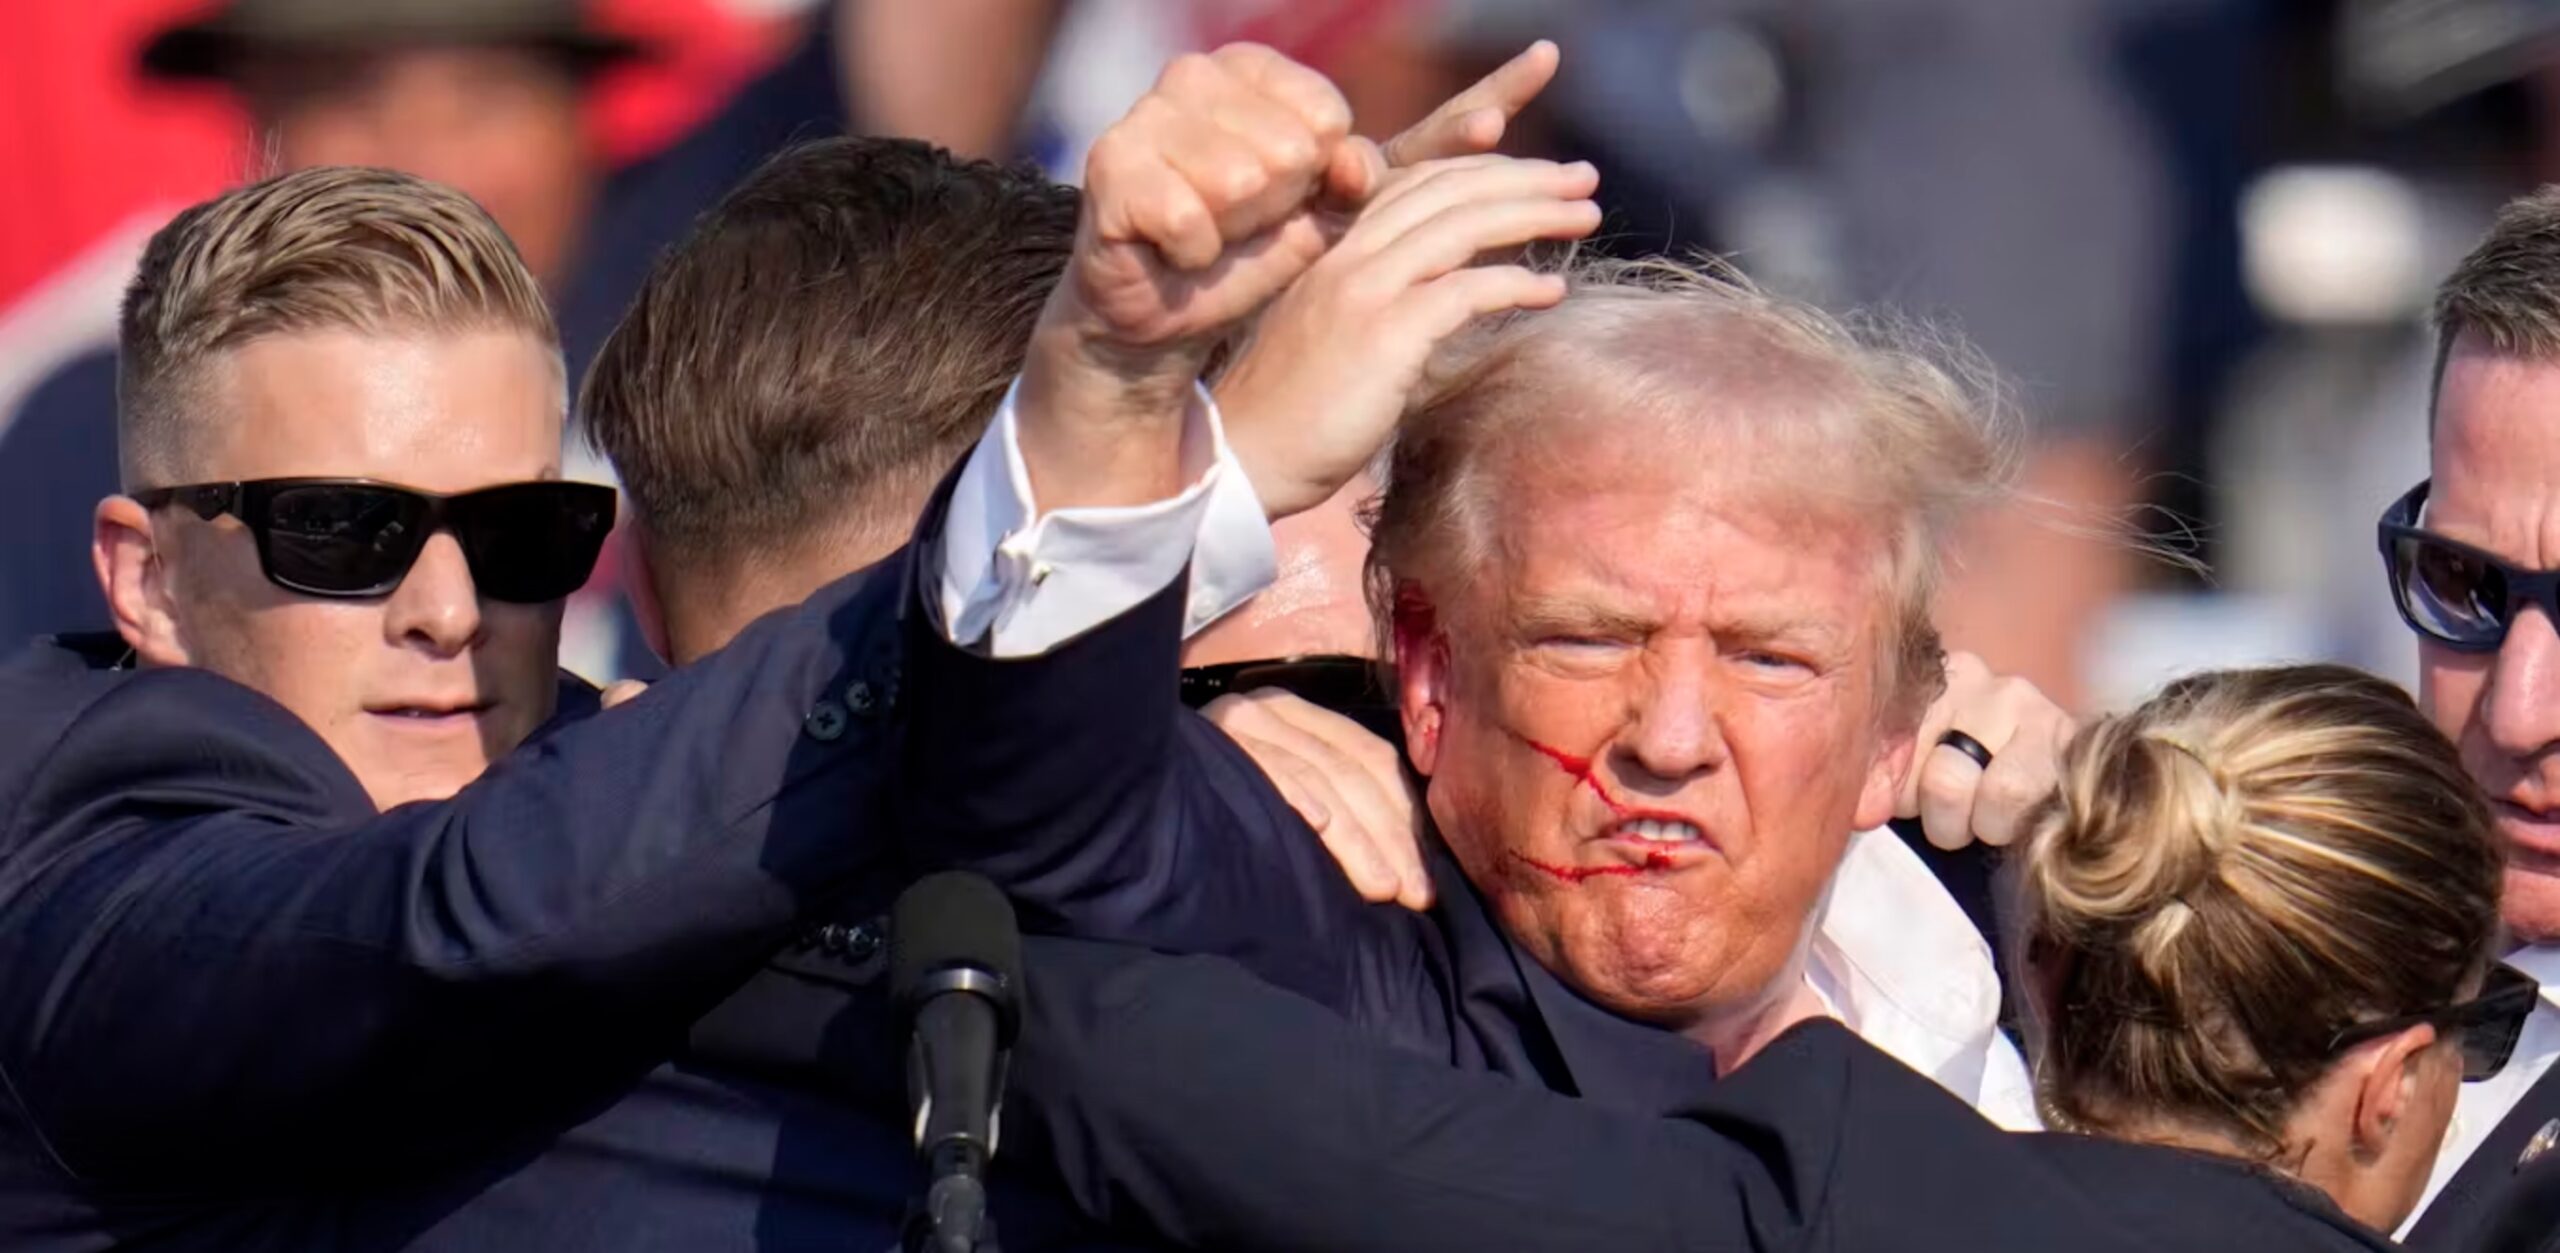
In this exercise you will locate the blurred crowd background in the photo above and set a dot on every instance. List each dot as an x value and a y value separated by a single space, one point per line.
2197 234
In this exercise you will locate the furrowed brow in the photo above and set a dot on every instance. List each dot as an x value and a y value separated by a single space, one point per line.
1552 615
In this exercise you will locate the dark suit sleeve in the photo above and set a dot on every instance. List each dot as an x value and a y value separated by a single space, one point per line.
1183 1095
221 963
1078 781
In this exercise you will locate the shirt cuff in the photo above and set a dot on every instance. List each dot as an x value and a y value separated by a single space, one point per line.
1018 582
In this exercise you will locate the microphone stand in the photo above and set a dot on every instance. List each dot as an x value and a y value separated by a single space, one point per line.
952 1215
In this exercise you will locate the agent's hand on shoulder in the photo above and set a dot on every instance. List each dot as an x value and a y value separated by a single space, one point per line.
1348 784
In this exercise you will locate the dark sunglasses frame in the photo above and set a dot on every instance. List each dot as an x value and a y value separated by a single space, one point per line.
1329 679
1355 687
2487 1025
2399 530
381 569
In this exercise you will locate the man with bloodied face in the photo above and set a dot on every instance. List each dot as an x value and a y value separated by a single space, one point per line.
1656 564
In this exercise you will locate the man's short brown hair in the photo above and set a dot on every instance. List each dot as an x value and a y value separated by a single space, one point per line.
2507 292
333 248
828 341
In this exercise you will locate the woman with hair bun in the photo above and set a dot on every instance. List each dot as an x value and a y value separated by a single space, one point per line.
2256 916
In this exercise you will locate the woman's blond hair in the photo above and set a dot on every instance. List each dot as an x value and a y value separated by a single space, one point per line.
2233 873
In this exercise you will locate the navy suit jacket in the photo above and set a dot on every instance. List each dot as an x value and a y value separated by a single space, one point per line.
1227 1112
581 1005
1233 1115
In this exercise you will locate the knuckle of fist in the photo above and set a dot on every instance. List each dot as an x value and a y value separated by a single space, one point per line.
1191 73
1294 151
1111 156
1233 179
1183 215
1330 118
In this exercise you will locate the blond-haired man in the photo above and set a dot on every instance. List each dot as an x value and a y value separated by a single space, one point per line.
290 964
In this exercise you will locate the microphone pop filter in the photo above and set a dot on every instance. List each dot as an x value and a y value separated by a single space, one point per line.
955 931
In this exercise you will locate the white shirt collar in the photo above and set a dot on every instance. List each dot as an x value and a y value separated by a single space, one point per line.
1900 963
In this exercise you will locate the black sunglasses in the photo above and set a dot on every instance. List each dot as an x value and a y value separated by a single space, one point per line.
1354 687
527 543
2486 1025
2450 592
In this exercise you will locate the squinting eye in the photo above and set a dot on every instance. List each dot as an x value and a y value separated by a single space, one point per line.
1577 643
1772 661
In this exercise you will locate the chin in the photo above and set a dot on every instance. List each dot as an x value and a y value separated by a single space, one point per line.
1672 992
411 788
400 778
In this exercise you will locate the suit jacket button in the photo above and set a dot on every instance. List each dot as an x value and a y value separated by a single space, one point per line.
826 722
2543 1141
864 942
859 698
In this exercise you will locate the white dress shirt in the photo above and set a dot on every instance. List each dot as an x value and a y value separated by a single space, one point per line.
2484 1105
1893 956
1025 582
1897 961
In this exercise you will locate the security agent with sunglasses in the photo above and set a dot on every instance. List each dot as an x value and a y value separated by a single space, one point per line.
324 900
2470 554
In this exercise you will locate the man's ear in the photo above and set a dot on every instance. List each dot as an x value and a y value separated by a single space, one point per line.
1422 679
2395 1067
126 554
1883 790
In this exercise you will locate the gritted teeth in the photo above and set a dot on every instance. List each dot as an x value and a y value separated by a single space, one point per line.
1659 831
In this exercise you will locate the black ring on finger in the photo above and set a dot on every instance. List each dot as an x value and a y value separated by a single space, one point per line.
1968 746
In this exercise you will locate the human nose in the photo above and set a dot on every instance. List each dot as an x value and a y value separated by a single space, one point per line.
1674 731
2523 700
437 605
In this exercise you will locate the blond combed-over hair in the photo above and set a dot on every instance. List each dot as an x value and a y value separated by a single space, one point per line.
1890 417
332 248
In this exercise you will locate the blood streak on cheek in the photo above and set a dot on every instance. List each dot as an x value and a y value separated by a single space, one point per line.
1584 874
1580 769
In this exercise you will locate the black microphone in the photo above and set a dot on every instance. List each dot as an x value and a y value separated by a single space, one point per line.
955 966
